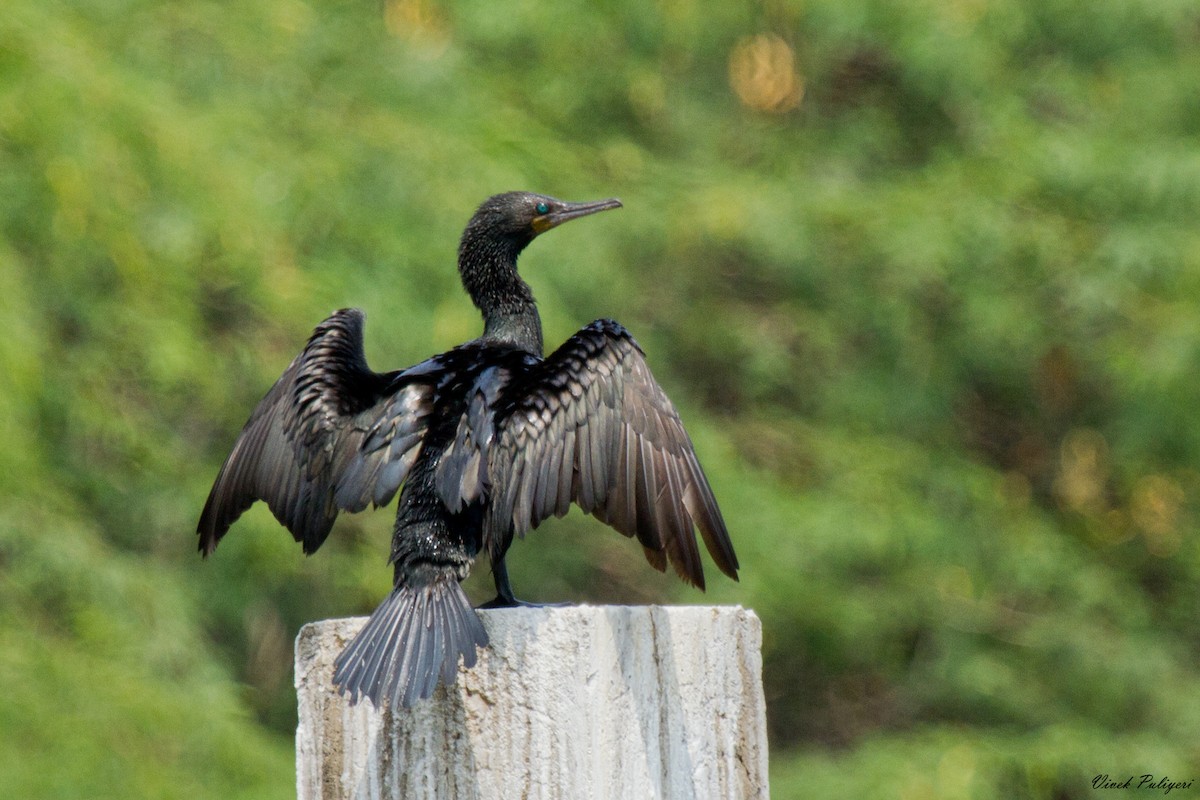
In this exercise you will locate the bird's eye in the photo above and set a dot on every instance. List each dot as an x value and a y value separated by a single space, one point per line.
542 208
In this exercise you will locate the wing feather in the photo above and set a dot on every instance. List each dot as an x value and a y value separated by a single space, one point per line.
330 435
590 424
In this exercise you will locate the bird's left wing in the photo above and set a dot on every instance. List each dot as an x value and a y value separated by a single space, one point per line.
592 425
330 435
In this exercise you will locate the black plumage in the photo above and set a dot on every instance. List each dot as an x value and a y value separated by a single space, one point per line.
483 442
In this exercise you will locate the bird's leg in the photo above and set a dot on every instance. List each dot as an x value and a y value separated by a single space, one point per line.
504 592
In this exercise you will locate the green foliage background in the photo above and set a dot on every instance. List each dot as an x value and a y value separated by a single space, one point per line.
926 294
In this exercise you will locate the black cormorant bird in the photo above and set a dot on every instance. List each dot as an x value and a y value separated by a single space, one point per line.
482 442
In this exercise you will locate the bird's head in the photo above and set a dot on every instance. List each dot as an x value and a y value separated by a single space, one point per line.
487 260
512 220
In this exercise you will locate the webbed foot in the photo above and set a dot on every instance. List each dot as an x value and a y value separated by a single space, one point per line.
504 594
512 602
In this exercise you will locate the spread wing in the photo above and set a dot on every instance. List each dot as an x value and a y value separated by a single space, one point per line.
330 435
592 426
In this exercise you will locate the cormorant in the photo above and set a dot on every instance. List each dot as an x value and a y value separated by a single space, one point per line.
482 442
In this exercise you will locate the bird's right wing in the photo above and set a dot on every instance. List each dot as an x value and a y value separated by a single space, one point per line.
329 435
593 426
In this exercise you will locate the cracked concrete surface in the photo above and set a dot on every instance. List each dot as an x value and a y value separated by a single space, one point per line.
579 702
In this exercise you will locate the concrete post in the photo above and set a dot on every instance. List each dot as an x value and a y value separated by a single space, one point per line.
578 702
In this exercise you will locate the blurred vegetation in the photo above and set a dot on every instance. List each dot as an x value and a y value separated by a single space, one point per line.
922 277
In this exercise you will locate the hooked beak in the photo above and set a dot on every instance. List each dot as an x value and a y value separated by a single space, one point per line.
570 211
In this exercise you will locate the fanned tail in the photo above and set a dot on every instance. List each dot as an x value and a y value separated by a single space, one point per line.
414 638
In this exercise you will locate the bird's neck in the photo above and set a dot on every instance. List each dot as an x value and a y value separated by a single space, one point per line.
510 315
522 330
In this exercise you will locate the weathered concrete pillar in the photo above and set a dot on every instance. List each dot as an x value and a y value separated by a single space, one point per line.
578 702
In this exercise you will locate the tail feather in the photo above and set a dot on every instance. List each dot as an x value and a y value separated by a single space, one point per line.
412 640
